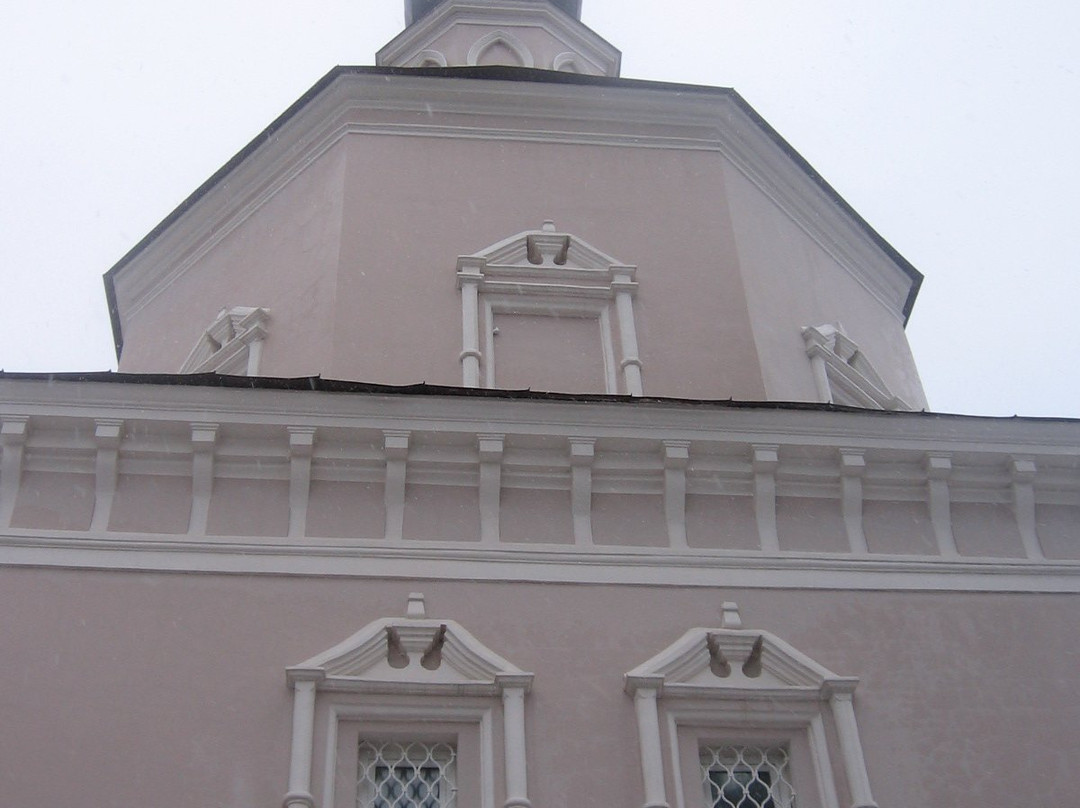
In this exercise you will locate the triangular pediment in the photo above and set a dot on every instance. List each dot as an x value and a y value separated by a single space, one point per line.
546 255
413 654
708 661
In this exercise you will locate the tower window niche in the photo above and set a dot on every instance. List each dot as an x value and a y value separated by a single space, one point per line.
547 311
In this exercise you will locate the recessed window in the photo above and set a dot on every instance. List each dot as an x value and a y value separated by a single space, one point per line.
746 777
394 774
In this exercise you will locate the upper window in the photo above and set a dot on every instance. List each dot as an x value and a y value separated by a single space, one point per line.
547 311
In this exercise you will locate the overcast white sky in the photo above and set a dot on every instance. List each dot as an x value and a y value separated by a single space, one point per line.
952 127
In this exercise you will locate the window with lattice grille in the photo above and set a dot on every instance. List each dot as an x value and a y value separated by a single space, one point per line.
394 774
746 777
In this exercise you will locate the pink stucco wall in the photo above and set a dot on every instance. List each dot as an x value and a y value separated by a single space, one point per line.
141 688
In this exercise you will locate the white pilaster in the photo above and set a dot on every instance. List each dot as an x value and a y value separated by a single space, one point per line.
648 720
470 275
303 736
301 446
850 747
107 438
396 450
582 453
623 286
1023 489
253 338
12 441
765 462
938 470
203 438
514 688
676 459
852 468
491 452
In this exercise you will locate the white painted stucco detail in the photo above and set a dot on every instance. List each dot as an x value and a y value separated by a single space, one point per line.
411 668
534 34
843 374
731 683
231 344
550 274
12 440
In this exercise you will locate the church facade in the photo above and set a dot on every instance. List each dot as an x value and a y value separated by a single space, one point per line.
497 431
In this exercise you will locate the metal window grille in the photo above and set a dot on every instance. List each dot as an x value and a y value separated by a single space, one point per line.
412 774
746 777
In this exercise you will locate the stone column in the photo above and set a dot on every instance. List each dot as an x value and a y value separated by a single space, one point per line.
581 460
765 462
676 459
623 286
203 437
303 737
514 687
938 469
648 721
301 446
470 275
12 441
851 748
852 468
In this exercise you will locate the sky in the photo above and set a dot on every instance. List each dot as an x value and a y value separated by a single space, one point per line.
953 128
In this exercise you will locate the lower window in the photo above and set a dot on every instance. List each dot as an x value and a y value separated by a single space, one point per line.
406 774
746 777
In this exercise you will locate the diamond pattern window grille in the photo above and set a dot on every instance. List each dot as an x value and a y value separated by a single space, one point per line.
406 775
746 777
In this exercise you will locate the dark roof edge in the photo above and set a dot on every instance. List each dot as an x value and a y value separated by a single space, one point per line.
320 385
497 73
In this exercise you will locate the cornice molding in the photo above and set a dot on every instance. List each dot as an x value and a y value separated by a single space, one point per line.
624 116
555 564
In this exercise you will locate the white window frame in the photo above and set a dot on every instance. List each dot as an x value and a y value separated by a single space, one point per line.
357 684
545 272
367 791
783 701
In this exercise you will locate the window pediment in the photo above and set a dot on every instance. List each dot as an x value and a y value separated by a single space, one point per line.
415 654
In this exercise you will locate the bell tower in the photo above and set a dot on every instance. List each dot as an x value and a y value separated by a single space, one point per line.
542 34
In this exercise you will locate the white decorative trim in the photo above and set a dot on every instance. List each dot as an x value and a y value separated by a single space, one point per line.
411 657
493 39
231 344
843 374
737 680
203 438
537 563
12 441
107 433
301 446
429 57
698 122
566 62
544 272
507 15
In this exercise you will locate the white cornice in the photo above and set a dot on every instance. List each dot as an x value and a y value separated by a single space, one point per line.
624 116
554 564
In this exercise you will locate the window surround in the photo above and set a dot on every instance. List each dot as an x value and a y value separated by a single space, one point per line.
843 374
545 272
231 344
736 686
411 669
